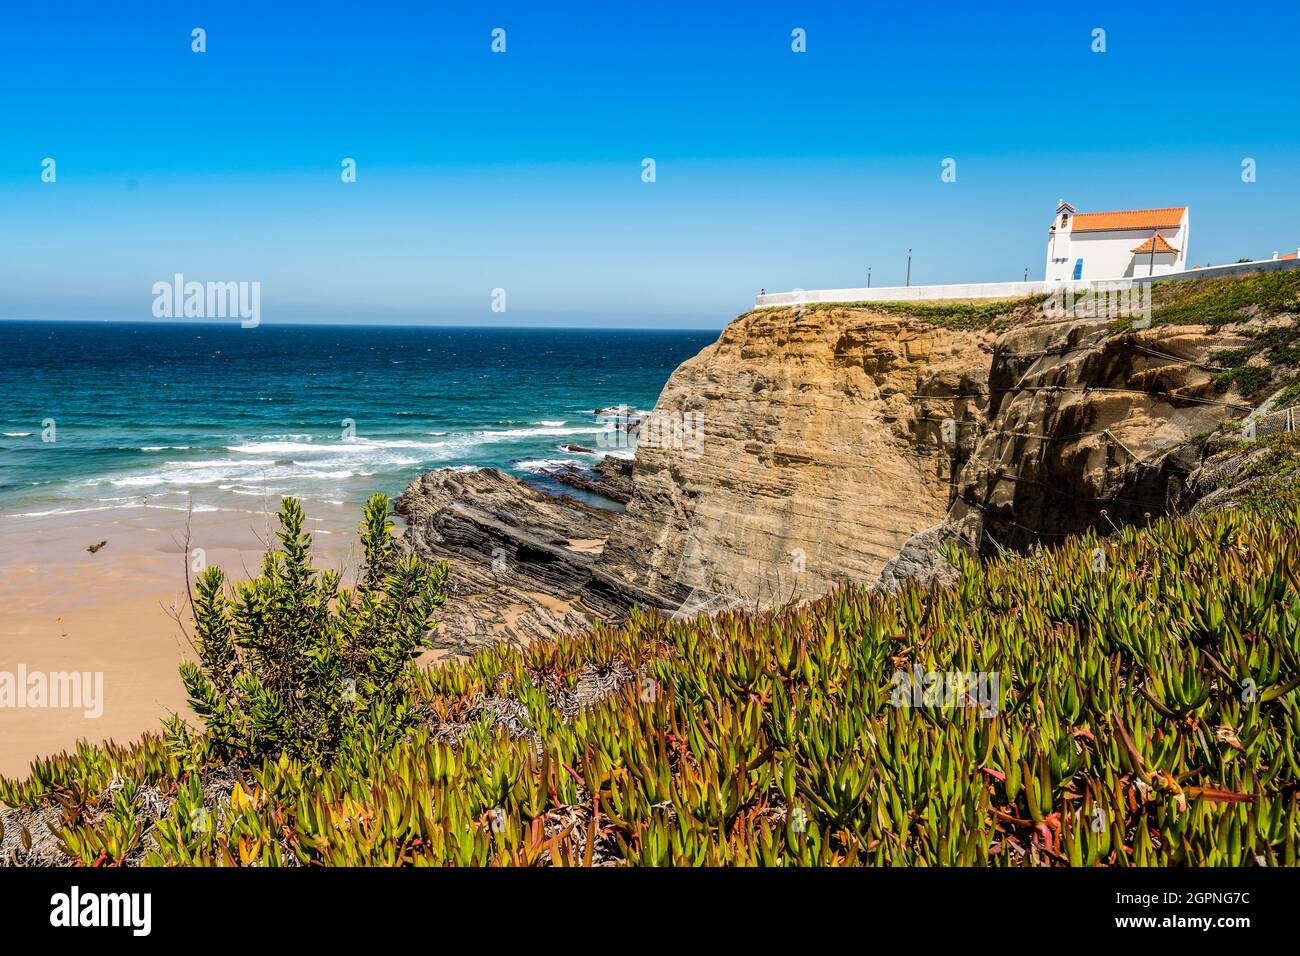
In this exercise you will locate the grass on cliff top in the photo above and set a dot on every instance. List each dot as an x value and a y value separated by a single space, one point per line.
1219 301
962 316
1122 701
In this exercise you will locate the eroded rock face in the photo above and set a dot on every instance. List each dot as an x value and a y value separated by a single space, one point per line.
823 451
825 439
1083 429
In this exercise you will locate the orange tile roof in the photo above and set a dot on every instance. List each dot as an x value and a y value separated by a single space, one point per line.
1289 255
1129 219
1161 245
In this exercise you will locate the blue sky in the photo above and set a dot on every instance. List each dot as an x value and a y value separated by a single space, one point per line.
522 170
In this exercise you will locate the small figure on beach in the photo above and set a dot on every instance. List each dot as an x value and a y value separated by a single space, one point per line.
94 548
762 292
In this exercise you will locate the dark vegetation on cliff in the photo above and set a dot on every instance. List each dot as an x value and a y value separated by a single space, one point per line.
1138 707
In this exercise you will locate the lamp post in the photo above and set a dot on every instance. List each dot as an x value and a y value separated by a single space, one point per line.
868 277
909 267
1151 270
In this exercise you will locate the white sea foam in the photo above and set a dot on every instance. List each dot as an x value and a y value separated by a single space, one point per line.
356 447
399 461
374 447
129 503
62 511
220 463
513 433
548 464
238 472
18 434
297 463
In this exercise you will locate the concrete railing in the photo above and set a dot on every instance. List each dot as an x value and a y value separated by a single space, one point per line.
917 293
1233 269
1006 290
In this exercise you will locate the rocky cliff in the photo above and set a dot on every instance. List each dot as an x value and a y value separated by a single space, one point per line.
818 451
827 444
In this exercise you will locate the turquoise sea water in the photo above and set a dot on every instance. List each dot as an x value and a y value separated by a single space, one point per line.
220 412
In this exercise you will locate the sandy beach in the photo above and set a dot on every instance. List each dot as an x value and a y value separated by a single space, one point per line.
100 416
110 615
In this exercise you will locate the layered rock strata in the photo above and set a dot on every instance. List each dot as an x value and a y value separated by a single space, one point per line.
523 563
813 447
817 447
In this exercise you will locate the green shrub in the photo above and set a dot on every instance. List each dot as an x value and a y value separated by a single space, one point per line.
290 664
1269 484
1288 394
1249 380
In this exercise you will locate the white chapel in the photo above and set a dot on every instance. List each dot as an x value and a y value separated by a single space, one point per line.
1123 244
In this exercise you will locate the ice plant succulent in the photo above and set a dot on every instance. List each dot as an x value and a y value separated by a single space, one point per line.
1146 714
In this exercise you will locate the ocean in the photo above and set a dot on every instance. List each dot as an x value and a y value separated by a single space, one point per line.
329 414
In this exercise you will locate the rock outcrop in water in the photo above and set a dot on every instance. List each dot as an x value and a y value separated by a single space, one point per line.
611 478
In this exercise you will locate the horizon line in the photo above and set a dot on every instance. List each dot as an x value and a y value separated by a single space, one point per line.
234 323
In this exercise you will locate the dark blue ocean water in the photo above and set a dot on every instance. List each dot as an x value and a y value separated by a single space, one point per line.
221 412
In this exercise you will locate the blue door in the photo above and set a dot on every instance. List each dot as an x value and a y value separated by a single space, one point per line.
1078 268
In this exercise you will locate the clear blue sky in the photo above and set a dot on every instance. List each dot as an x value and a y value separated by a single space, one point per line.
522 170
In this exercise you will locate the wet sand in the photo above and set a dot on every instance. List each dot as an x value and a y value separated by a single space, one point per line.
111 613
